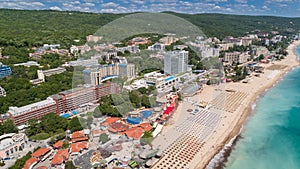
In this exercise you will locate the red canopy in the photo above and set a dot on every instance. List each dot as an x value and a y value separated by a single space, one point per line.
169 110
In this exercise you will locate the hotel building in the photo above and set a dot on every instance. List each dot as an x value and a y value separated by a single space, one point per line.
21 115
105 72
236 57
176 62
62 102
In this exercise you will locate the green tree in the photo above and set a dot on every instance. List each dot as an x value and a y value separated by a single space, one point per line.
147 138
52 123
103 138
145 101
33 127
70 165
21 161
74 124
9 127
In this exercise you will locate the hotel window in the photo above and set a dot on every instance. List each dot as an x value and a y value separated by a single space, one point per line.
16 149
7 153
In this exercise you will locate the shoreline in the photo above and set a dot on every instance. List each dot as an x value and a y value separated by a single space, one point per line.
247 111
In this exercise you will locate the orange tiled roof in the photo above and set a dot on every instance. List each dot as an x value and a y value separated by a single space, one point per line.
30 162
60 157
79 139
110 120
134 132
118 127
77 147
41 167
77 134
58 144
146 126
97 132
40 152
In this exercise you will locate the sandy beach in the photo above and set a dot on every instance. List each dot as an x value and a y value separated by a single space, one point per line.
194 141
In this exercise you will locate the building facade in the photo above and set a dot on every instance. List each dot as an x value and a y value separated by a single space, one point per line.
176 62
21 115
11 144
105 72
62 102
236 57
4 70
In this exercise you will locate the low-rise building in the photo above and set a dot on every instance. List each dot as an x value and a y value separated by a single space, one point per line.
93 38
5 70
225 46
139 41
60 158
42 73
28 64
236 57
130 48
11 144
83 62
168 40
210 52
261 50
2 92
157 47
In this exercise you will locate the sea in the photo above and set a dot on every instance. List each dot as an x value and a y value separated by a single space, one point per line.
270 139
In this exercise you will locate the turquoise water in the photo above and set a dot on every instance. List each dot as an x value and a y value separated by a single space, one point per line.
271 137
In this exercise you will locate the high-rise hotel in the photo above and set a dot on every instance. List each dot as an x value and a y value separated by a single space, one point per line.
96 76
176 62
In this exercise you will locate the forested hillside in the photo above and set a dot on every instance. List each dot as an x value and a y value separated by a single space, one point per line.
32 28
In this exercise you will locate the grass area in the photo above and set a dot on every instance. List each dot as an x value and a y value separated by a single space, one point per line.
40 136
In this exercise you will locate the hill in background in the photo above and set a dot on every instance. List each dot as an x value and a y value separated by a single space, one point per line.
24 28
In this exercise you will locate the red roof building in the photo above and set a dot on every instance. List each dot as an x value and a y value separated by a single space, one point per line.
78 147
58 144
110 120
145 126
97 133
30 163
134 132
79 139
117 127
77 134
60 157
41 152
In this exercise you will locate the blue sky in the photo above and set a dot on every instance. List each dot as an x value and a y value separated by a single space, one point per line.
248 7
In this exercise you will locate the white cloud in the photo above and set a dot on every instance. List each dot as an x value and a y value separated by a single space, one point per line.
55 8
265 8
138 1
216 0
88 4
109 5
241 1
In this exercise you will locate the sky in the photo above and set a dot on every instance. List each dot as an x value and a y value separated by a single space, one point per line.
290 8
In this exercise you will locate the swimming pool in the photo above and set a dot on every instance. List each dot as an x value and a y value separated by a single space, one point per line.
65 116
133 120
145 114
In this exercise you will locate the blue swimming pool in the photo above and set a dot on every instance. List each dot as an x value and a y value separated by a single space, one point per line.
145 114
133 120
74 112
65 116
